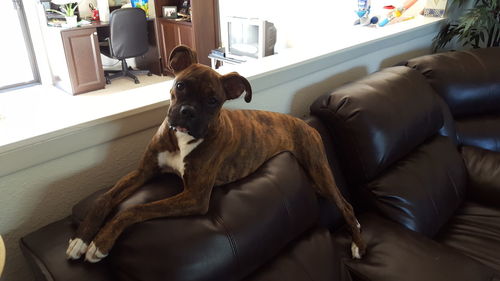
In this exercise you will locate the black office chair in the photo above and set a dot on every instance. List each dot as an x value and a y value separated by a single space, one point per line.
128 39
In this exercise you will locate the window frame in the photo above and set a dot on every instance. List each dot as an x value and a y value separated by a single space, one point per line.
19 7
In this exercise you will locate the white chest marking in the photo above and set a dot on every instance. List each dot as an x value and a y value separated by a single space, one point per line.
175 159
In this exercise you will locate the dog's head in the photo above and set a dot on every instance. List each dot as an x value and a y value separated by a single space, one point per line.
199 92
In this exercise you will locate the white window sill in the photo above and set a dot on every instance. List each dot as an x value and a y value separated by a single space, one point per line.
325 49
38 124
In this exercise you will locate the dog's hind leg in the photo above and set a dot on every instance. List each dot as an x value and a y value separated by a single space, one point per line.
325 183
313 158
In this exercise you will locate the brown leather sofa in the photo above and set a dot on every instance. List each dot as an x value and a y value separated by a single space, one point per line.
264 227
427 204
432 202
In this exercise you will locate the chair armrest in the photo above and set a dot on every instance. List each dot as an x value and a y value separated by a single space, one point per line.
110 46
106 47
395 253
483 167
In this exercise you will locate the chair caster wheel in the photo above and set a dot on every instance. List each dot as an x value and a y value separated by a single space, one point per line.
136 81
150 74
108 81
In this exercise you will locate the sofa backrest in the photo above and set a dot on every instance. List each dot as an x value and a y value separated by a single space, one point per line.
469 82
387 126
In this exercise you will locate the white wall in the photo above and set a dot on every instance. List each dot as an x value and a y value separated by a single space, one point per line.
38 195
295 96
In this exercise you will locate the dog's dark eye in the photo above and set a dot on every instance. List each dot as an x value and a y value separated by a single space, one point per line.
180 86
212 101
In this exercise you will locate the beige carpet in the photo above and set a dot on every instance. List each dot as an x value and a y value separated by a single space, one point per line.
125 83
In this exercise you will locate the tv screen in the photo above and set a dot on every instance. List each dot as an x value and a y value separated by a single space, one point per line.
250 37
243 39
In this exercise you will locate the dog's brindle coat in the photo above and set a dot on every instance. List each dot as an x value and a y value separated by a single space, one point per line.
207 146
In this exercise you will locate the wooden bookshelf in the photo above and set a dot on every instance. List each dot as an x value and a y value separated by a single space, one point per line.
201 33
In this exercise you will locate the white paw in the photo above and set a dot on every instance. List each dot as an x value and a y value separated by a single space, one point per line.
93 254
76 248
354 251
358 224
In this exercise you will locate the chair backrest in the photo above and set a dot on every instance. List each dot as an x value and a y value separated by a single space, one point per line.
129 36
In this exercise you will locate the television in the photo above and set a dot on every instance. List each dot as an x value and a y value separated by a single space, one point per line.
250 37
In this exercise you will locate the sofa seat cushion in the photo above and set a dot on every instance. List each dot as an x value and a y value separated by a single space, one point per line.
395 253
475 231
483 167
480 131
248 223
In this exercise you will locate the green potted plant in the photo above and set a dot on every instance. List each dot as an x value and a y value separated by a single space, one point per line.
478 27
67 9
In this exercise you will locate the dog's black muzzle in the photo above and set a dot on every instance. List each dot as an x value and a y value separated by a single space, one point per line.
186 119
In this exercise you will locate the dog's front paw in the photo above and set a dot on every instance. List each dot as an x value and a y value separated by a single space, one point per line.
355 251
358 225
93 254
76 248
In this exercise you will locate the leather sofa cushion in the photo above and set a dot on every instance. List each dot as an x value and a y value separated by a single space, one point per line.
395 254
248 223
469 81
483 167
310 258
45 250
379 119
475 231
481 131
422 190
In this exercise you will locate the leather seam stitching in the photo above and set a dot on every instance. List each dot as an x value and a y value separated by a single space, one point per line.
229 237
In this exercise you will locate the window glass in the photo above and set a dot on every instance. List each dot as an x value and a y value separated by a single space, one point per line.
16 53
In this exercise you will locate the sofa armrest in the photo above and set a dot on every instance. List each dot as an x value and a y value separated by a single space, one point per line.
249 222
44 251
483 167
396 253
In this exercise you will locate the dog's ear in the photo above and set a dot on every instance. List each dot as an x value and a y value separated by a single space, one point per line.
180 58
235 85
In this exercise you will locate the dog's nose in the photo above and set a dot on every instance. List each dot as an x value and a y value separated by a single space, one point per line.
187 111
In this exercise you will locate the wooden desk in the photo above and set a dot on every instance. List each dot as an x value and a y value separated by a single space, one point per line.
2 255
80 69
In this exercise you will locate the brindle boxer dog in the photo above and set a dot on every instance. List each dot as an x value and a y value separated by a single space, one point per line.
199 137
